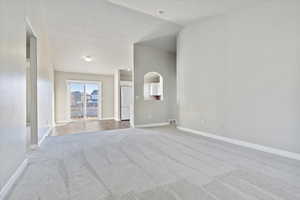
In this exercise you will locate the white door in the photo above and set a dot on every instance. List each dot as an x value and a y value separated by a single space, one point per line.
85 100
125 102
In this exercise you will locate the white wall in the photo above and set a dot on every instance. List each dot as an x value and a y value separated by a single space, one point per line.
62 113
238 75
149 59
117 95
12 87
13 81
35 13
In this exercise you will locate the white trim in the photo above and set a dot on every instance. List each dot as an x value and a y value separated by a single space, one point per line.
126 83
33 81
151 125
100 100
29 27
131 124
83 81
271 150
35 146
131 102
62 122
108 118
44 137
11 181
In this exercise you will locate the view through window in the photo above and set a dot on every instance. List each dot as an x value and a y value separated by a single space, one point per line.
85 100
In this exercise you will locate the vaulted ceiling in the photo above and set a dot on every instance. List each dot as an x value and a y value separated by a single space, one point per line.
107 29
185 11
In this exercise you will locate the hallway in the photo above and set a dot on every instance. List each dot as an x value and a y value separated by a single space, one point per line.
151 164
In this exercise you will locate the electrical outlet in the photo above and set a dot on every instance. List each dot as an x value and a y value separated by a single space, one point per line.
172 121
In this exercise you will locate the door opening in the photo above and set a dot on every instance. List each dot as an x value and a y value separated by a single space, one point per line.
31 88
126 102
85 100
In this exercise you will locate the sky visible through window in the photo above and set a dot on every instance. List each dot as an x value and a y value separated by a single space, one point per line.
90 87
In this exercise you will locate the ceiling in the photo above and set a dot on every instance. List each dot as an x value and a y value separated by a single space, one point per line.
184 12
167 43
107 29
102 30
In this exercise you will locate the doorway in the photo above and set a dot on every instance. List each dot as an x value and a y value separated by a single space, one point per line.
31 88
85 100
126 103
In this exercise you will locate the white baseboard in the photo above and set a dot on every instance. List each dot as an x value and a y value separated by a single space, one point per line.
151 125
117 119
62 122
35 146
108 118
131 124
258 147
46 135
12 180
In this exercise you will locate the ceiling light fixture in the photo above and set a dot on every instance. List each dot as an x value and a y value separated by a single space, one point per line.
87 58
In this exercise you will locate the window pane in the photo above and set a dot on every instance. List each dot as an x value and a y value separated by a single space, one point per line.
92 100
77 105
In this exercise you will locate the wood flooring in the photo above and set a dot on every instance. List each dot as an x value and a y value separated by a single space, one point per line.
86 126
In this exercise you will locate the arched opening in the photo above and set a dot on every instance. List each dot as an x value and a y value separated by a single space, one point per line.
153 86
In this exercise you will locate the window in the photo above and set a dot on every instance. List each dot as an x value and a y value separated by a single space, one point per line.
85 100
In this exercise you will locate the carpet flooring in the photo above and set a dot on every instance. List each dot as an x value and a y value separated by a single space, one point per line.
154 164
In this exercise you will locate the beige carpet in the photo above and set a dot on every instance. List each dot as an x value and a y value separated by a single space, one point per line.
158 164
